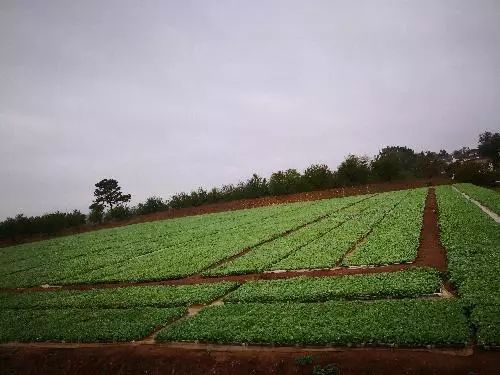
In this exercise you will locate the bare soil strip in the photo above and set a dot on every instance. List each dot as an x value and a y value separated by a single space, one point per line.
486 210
430 254
178 358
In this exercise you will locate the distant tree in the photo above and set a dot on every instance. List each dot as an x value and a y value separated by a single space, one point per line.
108 194
214 195
429 164
198 197
118 212
489 147
354 170
461 154
96 214
287 182
152 204
394 162
445 157
50 223
179 200
317 176
255 187
476 173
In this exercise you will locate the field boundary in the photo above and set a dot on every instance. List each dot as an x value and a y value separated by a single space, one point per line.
485 209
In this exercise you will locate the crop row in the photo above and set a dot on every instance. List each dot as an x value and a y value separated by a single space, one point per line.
396 238
486 197
139 257
486 319
472 240
402 322
140 238
402 284
134 240
109 259
328 250
264 256
83 325
182 262
70 246
126 297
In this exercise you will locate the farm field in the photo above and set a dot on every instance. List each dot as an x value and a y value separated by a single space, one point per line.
362 271
487 197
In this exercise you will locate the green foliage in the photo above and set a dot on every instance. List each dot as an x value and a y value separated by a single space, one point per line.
394 162
401 322
126 297
96 215
431 164
409 283
287 182
486 319
22 226
472 240
255 187
318 176
108 194
83 325
486 197
264 256
152 205
152 251
354 170
328 250
474 172
396 238
118 213
489 146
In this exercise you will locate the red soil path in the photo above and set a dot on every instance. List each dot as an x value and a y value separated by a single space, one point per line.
230 360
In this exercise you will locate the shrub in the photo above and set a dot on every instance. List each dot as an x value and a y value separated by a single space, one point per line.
118 213
152 204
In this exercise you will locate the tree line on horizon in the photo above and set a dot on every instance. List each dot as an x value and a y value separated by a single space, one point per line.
480 166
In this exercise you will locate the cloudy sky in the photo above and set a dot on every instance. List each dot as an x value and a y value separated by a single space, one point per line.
166 96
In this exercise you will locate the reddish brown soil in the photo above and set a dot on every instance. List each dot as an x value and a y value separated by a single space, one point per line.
431 252
171 359
244 203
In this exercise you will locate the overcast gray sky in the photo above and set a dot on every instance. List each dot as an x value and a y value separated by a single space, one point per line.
166 96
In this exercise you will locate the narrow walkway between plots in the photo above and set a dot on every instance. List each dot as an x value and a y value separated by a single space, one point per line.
486 210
